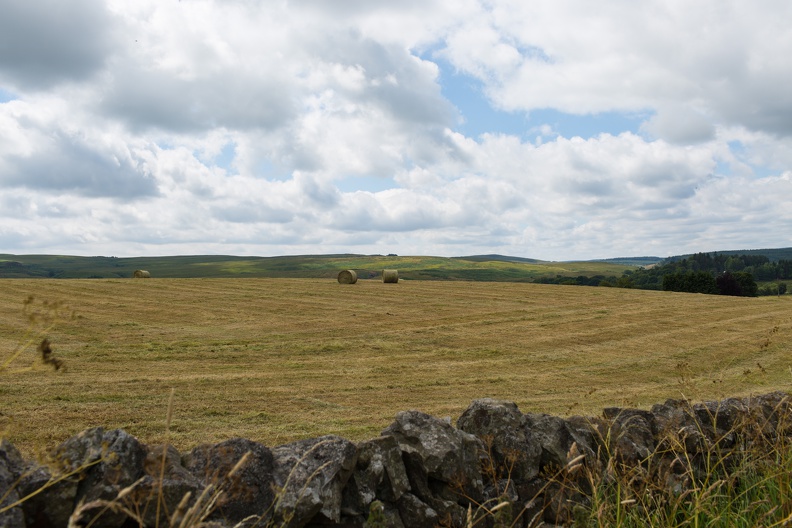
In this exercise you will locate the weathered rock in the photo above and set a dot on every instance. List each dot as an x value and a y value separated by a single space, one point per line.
415 513
11 466
55 500
379 474
771 414
672 422
631 438
722 416
502 428
447 455
163 486
593 432
11 459
107 462
246 488
310 476
556 437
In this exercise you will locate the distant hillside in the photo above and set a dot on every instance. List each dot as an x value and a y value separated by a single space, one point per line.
773 254
626 261
495 268
496 258
633 261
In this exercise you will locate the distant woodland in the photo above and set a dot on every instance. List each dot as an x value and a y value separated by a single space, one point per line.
714 273
711 273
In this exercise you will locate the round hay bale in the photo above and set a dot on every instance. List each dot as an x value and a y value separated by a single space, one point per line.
141 274
390 276
347 277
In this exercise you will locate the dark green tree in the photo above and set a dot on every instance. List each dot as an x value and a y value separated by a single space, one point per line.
740 284
690 282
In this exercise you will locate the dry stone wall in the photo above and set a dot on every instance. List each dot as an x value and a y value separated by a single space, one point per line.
421 472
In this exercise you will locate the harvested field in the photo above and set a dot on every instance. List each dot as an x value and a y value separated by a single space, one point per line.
275 360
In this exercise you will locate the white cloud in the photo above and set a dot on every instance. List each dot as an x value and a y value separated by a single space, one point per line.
47 42
680 125
718 62
204 126
46 146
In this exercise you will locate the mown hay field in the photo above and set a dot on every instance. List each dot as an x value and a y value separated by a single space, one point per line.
276 360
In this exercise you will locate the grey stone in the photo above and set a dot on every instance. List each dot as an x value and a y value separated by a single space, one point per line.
416 514
771 414
502 428
669 419
310 476
631 435
447 454
443 463
164 484
379 474
54 502
107 463
11 466
556 437
723 416
247 492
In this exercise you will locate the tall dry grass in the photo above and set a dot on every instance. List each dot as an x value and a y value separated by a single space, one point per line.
737 478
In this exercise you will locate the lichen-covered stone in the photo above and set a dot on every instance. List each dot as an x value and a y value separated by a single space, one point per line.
248 491
310 476
631 438
379 475
502 428
447 454
107 462
416 513
556 437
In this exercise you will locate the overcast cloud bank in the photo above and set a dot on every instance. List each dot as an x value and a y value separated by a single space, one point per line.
236 127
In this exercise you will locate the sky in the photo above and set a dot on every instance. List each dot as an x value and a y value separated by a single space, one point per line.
548 129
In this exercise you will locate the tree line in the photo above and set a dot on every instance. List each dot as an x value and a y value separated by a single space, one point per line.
709 273
715 274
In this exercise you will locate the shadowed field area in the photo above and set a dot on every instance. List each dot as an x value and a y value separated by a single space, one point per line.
275 360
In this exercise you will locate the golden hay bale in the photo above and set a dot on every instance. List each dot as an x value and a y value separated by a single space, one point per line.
141 274
347 277
390 276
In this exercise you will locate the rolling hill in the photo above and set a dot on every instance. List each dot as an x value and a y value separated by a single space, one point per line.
475 268
493 267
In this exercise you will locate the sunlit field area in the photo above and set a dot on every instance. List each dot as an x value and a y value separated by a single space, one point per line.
276 360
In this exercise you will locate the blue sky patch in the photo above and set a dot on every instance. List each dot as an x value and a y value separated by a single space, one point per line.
480 117
226 157
466 93
6 96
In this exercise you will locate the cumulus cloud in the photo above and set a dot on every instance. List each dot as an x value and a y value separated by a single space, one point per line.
200 126
47 42
680 125
718 62
44 148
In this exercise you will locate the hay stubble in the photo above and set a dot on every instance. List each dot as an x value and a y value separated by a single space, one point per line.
275 360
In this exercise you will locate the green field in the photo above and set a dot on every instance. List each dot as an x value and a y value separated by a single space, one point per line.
275 360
